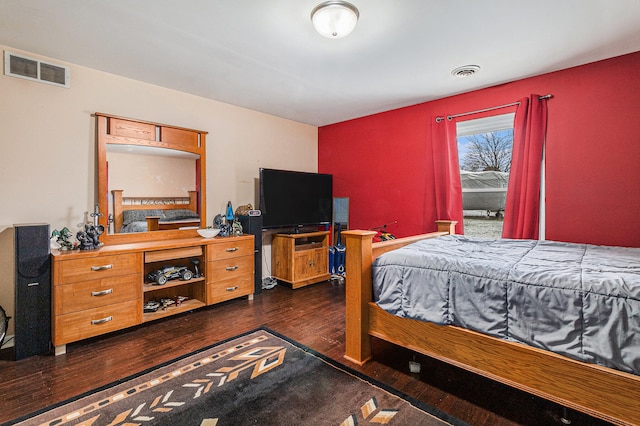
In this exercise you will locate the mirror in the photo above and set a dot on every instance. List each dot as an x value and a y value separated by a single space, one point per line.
151 180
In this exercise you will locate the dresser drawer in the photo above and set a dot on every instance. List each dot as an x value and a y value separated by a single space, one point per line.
229 289
93 322
231 248
96 293
92 268
229 268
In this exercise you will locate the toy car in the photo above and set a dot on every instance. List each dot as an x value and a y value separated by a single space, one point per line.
151 306
161 276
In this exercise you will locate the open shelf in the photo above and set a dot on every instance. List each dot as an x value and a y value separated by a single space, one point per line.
149 286
185 306
309 246
172 254
194 289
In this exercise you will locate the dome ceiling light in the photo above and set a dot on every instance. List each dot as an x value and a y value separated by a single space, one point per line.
335 19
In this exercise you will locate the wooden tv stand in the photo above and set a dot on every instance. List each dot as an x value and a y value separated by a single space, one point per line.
300 259
100 291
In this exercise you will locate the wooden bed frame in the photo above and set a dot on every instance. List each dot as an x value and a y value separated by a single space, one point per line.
601 392
121 203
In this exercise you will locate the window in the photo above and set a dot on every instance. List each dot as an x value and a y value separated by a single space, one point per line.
484 153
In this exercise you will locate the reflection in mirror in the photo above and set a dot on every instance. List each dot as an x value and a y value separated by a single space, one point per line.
151 180
151 188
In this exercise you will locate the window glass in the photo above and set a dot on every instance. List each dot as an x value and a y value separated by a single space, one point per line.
484 152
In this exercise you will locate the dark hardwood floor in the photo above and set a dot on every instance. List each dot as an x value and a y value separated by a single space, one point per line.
313 316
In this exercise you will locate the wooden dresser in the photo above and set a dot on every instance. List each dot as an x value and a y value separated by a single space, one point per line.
96 292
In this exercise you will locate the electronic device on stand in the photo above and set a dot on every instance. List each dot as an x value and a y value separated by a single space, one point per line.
252 224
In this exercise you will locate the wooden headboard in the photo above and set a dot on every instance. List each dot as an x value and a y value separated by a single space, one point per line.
122 203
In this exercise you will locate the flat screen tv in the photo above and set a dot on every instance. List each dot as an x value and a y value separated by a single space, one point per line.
295 199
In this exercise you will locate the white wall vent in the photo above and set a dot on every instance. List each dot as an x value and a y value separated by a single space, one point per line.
36 70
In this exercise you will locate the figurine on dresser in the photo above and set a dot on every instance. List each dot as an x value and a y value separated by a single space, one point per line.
89 239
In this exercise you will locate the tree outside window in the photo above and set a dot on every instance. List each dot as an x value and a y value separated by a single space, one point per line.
486 151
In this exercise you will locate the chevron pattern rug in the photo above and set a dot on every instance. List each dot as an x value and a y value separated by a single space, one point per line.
258 378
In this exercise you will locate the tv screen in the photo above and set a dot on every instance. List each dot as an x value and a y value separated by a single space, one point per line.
289 198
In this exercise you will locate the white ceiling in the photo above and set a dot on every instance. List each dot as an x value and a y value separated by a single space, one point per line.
266 56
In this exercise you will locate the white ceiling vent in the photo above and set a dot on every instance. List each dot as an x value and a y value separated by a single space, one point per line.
465 71
36 70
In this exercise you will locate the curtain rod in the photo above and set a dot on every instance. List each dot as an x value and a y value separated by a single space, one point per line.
462 114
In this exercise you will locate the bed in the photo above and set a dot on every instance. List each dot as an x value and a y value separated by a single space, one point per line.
141 214
604 392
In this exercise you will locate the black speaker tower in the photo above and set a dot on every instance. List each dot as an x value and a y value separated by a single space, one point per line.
32 320
253 225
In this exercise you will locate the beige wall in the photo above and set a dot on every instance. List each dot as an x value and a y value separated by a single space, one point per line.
151 175
47 143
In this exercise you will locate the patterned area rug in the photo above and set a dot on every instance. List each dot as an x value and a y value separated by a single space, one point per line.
258 378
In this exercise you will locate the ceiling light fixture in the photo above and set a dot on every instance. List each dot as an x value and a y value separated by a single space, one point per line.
465 71
335 19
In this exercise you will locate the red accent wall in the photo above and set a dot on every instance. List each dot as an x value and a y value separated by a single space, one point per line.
381 162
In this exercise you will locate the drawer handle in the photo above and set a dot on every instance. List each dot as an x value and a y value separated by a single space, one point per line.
231 249
101 268
102 293
101 321
232 268
234 288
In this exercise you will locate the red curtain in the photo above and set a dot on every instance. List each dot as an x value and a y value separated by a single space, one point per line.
522 210
448 190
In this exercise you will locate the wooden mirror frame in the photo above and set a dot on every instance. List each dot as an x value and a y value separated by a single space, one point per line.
125 131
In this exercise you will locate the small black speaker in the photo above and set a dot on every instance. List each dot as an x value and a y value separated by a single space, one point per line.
32 320
253 225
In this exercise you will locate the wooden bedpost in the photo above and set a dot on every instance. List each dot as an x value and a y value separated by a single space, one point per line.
153 223
448 226
117 209
193 200
359 294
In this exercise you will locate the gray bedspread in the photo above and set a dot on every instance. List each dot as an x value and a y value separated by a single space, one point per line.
578 300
